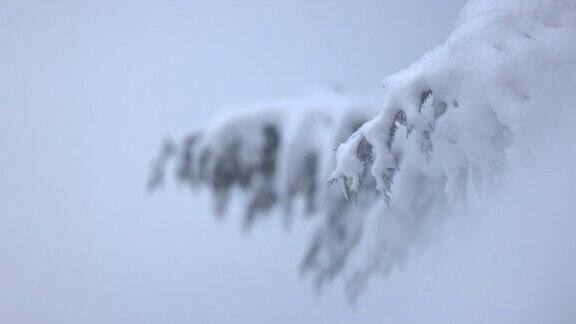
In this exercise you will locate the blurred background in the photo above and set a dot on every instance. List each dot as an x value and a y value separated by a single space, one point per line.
88 89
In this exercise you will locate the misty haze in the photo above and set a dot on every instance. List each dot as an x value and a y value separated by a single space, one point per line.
274 161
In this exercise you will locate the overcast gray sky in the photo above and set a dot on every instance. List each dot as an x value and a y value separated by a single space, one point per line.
87 91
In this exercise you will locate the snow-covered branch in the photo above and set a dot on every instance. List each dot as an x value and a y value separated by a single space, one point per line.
277 155
446 129
472 105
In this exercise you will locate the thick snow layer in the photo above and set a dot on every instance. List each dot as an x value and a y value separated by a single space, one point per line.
493 73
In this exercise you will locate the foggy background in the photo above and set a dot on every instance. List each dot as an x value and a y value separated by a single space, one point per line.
89 89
